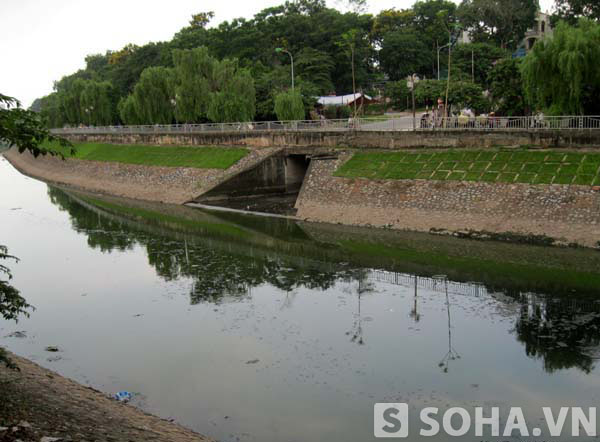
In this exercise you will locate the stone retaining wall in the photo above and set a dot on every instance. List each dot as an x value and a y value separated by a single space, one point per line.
175 185
570 214
370 139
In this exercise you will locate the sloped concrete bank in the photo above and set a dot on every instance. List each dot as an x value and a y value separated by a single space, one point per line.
565 214
175 185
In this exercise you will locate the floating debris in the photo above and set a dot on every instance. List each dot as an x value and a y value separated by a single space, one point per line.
52 348
253 361
123 396
17 334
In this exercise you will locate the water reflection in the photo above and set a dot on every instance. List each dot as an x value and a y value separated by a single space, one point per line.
217 274
562 333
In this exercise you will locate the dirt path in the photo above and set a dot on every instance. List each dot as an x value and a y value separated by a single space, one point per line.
36 403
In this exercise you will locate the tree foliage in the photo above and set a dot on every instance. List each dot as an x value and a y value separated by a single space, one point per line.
572 10
506 87
480 56
403 54
502 22
289 106
24 129
460 94
153 96
561 74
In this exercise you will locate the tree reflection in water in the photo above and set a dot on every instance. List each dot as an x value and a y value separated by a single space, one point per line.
562 331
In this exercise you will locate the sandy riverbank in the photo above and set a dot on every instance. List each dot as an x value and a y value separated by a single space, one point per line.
40 403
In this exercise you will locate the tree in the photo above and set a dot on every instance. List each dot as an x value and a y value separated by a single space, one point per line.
503 22
289 106
477 59
96 103
399 94
316 66
572 10
153 96
402 54
234 97
194 78
561 75
25 129
127 112
460 94
506 87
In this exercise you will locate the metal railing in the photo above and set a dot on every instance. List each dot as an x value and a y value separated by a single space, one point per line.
423 122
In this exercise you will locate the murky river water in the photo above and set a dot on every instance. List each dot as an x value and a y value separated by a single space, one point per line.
263 330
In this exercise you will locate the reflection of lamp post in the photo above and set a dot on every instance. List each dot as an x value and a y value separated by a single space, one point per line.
452 354
280 50
415 312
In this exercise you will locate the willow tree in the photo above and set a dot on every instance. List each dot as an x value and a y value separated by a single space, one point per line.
289 106
194 73
234 96
153 96
561 74
96 102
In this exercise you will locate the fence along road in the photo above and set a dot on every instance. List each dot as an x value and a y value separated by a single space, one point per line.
380 124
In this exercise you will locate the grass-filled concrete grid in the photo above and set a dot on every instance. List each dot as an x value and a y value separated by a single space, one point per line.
167 156
502 166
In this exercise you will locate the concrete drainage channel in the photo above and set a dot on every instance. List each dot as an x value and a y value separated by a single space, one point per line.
269 188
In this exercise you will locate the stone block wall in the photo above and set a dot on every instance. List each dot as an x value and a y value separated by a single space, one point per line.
569 214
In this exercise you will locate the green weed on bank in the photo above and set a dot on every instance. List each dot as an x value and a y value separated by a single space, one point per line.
167 156
522 166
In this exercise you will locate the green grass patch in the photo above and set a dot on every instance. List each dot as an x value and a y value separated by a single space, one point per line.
507 177
584 180
563 179
544 178
472 176
166 156
439 175
522 166
456 176
532 167
496 166
489 177
526 178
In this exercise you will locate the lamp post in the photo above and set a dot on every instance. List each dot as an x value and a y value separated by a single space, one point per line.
438 58
280 50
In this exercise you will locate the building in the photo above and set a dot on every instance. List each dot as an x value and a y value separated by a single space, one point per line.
344 100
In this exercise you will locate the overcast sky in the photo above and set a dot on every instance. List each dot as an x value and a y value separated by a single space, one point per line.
43 40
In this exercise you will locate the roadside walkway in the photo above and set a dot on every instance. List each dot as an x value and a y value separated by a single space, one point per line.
39 405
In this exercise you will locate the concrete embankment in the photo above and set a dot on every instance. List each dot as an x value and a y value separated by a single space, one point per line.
537 213
175 185
566 214
573 138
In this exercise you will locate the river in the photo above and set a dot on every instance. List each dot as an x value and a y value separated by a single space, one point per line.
259 329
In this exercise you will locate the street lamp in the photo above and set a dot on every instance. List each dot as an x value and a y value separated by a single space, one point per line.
280 50
438 57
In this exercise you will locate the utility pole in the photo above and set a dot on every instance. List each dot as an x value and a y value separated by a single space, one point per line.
472 65
412 78
438 60
279 50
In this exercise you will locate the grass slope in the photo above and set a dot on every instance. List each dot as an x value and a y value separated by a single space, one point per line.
521 166
168 156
